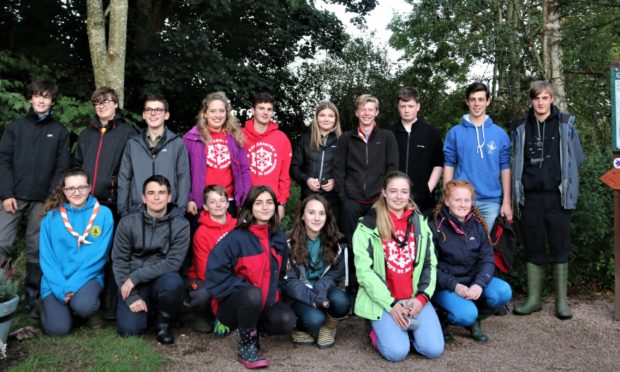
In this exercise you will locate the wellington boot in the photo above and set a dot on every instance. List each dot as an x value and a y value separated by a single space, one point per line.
535 278
327 334
477 334
248 352
163 328
560 287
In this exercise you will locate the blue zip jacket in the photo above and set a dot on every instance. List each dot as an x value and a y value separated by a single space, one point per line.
465 256
478 155
67 268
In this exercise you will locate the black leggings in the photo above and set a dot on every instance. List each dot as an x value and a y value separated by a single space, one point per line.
242 310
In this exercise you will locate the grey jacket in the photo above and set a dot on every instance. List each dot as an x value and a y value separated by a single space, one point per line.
571 157
169 159
146 247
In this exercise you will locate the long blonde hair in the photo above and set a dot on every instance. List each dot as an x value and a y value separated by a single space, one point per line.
384 222
315 131
230 126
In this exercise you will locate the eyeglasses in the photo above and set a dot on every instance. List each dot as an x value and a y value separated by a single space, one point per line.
82 189
159 110
105 102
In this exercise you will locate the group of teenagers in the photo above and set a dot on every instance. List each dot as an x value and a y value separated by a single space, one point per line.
140 223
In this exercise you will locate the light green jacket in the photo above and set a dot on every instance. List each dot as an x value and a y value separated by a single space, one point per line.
373 295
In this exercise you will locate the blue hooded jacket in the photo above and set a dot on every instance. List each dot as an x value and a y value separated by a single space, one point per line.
478 154
67 268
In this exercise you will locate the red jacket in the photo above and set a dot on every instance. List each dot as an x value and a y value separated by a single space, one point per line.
247 257
269 155
207 235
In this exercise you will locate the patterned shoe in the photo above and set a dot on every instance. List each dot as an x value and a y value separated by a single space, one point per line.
302 338
220 330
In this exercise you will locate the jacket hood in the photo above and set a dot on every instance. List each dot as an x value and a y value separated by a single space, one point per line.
43 119
172 212
193 134
466 123
206 220
253 135
90 203
117 119
555 112
446 218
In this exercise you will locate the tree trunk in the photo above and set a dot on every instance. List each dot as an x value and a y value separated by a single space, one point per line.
552 50
108 58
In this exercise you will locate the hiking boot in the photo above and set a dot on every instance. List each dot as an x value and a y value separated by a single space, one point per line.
247 349
302 338
327 334
535 277
560 286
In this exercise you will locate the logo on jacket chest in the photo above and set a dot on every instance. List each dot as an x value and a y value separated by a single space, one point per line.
218 156
491 147
398 259
263 158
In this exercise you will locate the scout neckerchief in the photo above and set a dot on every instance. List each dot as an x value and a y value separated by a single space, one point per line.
80 238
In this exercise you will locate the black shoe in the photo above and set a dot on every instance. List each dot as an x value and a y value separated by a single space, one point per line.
163 329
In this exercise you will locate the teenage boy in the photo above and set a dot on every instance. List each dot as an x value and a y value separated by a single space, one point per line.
214 223
100 147
547 154
155 150
149 247
478 151
34 153
364 156
99 151
420 148
269 150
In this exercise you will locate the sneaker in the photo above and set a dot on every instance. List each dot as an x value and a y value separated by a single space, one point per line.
302 338
326 338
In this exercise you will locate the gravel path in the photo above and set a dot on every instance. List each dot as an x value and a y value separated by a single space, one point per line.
539 342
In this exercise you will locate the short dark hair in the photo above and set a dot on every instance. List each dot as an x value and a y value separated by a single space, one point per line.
261 97
41 87
477 87
159 179
103 93
246 218
157 97
408 94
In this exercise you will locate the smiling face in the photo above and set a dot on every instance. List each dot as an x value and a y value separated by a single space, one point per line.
216 204
478 103
459 202
263 112
367 114
314 218
41 103
326 120
396 194
105 108
155 114
156 198
263 208
76 190
215 115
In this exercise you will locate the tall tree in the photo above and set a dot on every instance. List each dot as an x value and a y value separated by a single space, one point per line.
552 50
107 54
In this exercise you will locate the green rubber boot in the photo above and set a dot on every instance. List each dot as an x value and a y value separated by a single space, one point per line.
477 334
535 277
560 286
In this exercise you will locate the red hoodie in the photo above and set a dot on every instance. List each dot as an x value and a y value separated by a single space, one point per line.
207 235
269 155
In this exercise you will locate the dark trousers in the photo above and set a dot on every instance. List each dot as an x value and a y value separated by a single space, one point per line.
349 215
543 220
57 316
310 318
164 294
242 310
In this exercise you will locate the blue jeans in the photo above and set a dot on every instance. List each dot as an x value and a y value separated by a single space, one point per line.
164 294
394 343
464 312
57 316
310 318
489 211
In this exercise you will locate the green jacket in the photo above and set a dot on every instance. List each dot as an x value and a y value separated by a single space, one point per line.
373 295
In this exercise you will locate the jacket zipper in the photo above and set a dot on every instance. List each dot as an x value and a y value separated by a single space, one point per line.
407 154
96 171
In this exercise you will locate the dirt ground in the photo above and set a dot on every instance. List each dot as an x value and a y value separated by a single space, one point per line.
539 342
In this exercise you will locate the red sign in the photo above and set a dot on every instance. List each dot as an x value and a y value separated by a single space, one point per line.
612 179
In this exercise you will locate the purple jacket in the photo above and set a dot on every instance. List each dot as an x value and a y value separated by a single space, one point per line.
198 167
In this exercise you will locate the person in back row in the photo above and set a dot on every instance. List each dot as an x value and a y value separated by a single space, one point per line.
34 153
269 151
155 150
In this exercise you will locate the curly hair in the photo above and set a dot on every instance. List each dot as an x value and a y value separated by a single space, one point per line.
231 125
384 222
330 235
447 191
57 197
